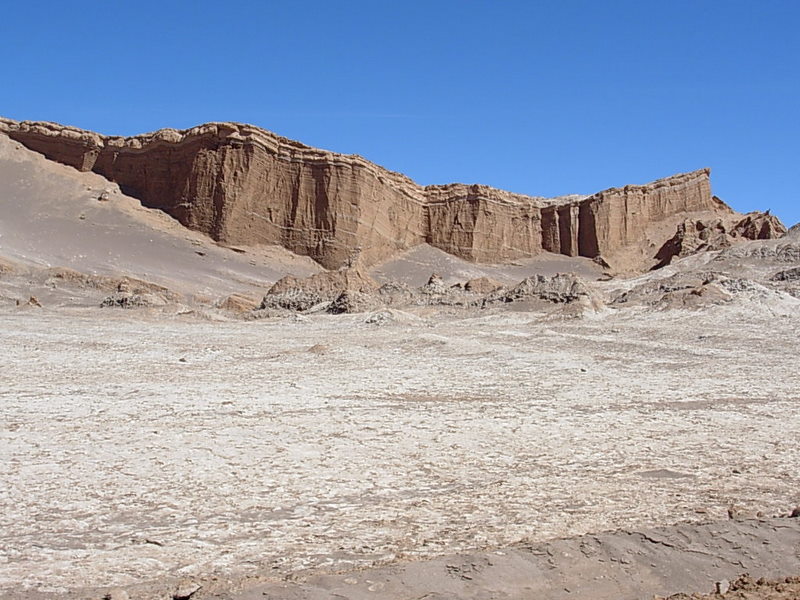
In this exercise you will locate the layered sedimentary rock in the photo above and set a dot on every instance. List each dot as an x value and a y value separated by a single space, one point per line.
485 224
295 294
759 226
692 236
243 185
696 235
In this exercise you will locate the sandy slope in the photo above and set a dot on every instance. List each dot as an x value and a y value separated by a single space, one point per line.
51 217
415 266
614 565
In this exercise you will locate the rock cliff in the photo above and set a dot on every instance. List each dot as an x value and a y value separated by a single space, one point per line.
243 185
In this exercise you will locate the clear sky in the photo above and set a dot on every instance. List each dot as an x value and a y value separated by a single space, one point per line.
541 98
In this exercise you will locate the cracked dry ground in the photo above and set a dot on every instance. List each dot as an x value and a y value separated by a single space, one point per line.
136 447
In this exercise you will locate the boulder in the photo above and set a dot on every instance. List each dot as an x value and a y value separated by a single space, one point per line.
482 285
560 288
395 293
301 295
133 293
435 285
353 302
237 303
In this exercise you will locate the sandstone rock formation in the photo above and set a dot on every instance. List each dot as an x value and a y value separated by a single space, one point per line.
301 295
350 291
350 301
328 284
243 185
237 303
696 235
693 235
682 290
394 293
482 285
131 293
792 274
759 226
435 285
699 288
560 288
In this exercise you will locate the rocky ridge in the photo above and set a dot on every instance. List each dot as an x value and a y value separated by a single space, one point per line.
352 291
243 185
698 235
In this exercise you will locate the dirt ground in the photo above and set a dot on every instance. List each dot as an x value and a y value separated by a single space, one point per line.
137 447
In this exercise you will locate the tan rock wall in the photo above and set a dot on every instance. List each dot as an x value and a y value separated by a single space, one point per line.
617 217
243 185
483 224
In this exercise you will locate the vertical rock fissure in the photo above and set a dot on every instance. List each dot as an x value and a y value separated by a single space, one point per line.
587 231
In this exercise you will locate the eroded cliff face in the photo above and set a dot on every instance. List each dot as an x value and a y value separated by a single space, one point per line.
484 224
617 217
243 185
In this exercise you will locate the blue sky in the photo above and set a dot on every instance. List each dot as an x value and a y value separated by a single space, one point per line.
542 98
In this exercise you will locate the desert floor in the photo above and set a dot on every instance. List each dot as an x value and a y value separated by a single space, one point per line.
136 446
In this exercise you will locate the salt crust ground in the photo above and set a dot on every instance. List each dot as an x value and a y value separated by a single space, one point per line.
134 447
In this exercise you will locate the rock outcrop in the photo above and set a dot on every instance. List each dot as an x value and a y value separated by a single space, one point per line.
759 226
237 303
136 294
482 285
792 274
243 185
694 290
350 291
300 295
787 280
560 288
352 302
692 236
697 235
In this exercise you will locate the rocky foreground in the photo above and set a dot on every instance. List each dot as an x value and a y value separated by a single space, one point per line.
759 270
143 448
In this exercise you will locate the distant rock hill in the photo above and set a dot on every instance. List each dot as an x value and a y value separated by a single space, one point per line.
244 185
